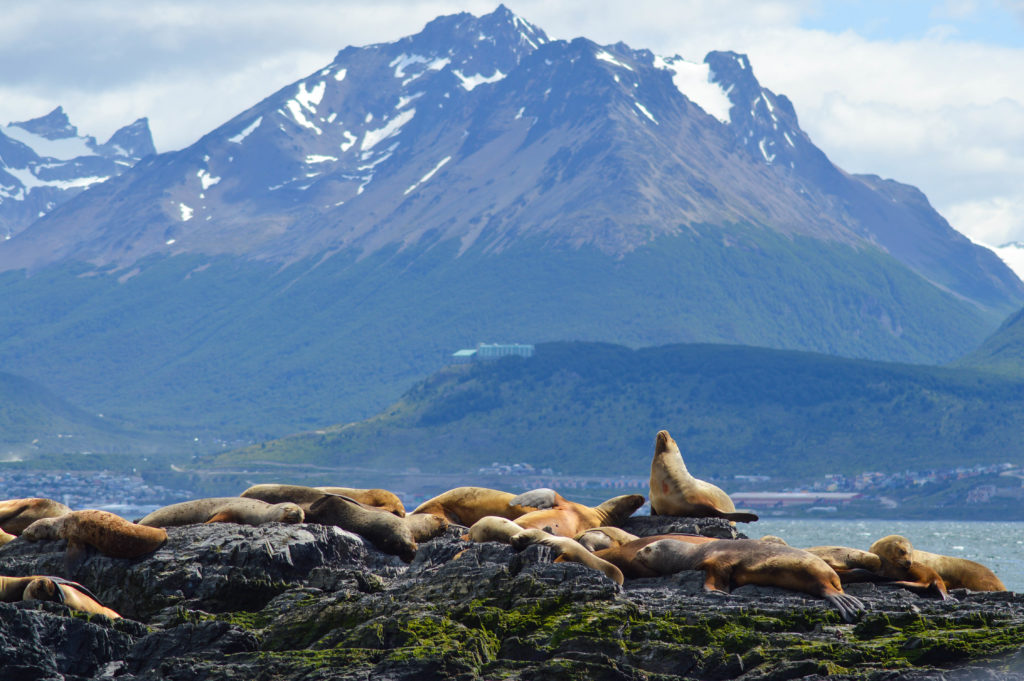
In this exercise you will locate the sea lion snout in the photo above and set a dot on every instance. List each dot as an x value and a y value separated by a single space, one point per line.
663 442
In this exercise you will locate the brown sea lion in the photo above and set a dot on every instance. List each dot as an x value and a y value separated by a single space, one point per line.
675 492
424 526
46 588
111 534
897 553
490 528
466 505
605 537
17 514
378 498
385 531
623 556
51 589
224 510
567 518
728 563
568 550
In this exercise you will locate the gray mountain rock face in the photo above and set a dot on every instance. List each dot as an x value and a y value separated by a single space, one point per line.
44 162
313 602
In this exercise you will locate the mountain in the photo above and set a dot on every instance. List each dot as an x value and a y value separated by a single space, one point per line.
580 408
1002 352
309 259
44 162
37 424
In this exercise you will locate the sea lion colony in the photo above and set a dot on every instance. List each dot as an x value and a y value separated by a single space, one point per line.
574 532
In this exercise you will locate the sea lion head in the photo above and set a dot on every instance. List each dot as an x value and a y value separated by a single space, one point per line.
44 528
621 507
666 556
43 589
289 513
894 549
772 539
663 442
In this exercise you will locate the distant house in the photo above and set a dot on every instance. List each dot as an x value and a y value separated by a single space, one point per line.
485 351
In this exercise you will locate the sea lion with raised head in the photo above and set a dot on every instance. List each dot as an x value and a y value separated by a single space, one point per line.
898 554
563 518
466 505
239 510
110 534
567 550
675 492
378 498
728 563
17 514
387 532
604 537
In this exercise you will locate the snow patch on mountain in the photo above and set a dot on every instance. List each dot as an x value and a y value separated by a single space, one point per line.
429 175
248 130
63 149
390 129
470 82
695 83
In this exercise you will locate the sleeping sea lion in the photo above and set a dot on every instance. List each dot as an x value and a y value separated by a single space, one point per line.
387 532
224 510
567 550
491 528
47 588
17 514
111 534
378 498
623 556
563 518
729 563
604 537
466 505
898 553
855 565
675 492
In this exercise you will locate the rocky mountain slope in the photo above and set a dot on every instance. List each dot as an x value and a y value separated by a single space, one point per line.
45 162
305 262
226 601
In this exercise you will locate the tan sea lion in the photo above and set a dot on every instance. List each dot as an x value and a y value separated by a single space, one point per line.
424 526
567 518
224 510
466 505
675 492
491 528
17 514
605 537
568 550
771 538
378 498
728 563
111 534
51 589
957 573
623 556
385 531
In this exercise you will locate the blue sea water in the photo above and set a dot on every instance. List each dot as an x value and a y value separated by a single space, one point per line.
998 545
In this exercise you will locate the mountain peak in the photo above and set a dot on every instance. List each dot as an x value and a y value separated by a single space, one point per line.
53 126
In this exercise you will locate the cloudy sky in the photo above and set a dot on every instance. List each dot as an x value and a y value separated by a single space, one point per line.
928 93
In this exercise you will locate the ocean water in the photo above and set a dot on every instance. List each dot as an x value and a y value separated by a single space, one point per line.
998 545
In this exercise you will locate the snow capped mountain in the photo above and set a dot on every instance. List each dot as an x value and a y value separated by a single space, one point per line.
44 162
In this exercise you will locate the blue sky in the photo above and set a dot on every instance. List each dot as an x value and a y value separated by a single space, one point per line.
927 93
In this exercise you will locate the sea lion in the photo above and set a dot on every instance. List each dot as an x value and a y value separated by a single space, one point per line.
675 492
17 514
896 553
623 556
111 534
605 537
385 531
567 518
424 526
5 538
224 510
70 594
728 563
378 498
490 528
568 550
466 505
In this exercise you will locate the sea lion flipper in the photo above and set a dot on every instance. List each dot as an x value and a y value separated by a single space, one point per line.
74 556
542 497
847 605
740 517
222 517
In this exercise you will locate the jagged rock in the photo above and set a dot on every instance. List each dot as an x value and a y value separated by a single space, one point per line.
312 602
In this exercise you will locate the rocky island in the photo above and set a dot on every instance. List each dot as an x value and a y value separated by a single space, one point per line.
224 601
